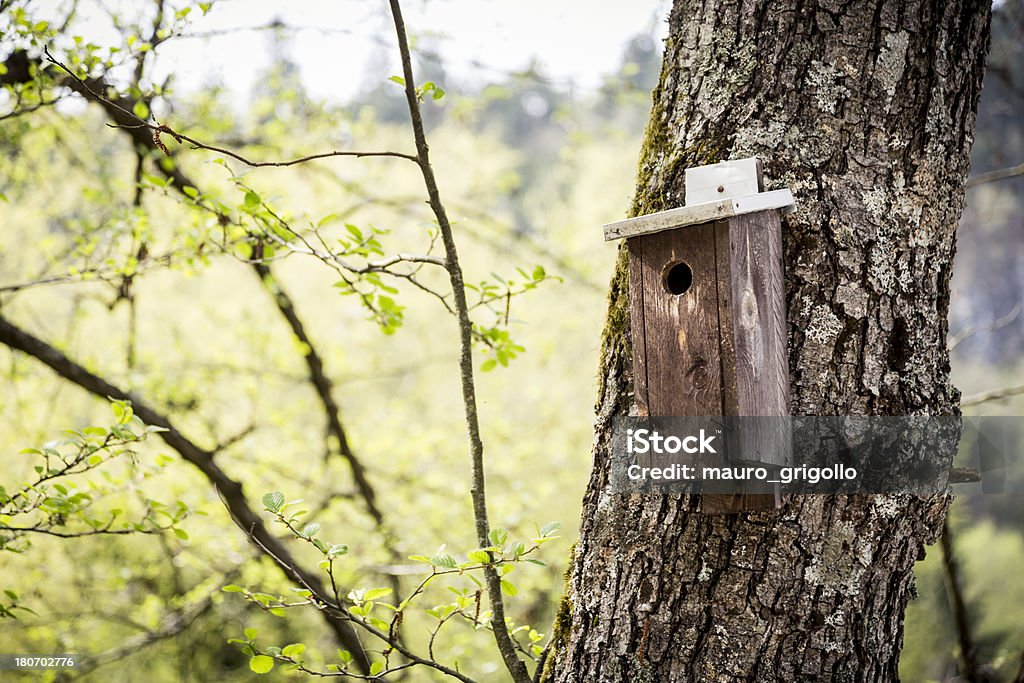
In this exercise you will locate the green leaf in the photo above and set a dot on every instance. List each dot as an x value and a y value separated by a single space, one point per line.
140 109
326 219
232 588
273 501
293 650
354 231
375 593
488 365
180 533
508 588
479 556
498 536
376 667
261 664
397 79
122 411
190 191
443 560
250 633
310 529
252 200
550 528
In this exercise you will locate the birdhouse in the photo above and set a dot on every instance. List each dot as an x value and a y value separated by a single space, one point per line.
707 305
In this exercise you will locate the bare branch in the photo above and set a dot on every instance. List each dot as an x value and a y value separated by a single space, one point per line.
171 625
969 668
103 531
107 275
993 176
994 395
16 112
995 325
130 120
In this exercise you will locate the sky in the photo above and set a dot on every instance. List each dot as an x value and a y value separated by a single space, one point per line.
343 43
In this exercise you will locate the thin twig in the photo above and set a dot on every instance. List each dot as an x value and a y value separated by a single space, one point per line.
996 325
159 128
515 666
993 176
994 395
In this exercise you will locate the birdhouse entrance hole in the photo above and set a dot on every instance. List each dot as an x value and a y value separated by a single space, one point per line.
677 278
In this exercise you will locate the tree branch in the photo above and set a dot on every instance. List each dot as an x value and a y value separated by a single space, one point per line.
993 176
515 666
171 625
971 330
230 490
951 569
994 395
119 110
324 389
125 118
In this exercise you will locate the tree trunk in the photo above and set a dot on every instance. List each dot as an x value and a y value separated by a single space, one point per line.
866 111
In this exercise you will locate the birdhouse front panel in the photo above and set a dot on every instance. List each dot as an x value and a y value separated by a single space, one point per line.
708 318
708 314
676 323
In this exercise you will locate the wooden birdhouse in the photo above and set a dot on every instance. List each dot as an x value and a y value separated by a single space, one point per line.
707 304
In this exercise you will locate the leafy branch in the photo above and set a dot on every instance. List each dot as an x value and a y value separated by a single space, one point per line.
359 606
51 502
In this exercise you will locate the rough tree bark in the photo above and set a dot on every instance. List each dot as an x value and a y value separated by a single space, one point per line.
866 111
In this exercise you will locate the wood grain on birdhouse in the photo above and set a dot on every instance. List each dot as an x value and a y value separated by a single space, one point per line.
708 318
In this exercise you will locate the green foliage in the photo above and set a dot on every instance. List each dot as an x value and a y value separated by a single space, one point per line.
366 606
212 352
57 499
430 88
